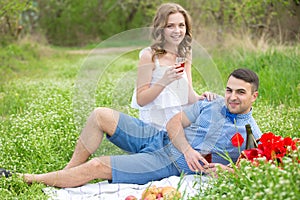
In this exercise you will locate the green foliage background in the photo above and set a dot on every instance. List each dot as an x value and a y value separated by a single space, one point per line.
38 128
79 23
38 125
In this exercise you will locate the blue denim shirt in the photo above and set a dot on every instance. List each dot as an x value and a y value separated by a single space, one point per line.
211 132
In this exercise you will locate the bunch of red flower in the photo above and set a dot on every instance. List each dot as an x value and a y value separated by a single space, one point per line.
271 147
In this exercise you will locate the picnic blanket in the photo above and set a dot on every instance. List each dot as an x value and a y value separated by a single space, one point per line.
189 186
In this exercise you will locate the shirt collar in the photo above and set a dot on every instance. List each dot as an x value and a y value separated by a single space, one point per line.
232 117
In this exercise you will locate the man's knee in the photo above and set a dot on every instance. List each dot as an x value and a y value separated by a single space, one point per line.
107 119
100 112
100 167
96 163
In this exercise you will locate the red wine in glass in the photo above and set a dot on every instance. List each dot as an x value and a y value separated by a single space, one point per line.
180 61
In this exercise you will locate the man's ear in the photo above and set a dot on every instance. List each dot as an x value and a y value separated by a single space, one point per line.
254 96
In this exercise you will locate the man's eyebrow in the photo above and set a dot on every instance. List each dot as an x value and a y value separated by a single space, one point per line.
239 89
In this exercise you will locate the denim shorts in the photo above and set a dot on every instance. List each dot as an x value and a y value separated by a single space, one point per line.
148 157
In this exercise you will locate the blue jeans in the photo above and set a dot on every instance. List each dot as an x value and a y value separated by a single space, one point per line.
149 157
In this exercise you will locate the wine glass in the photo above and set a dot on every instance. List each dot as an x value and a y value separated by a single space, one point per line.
179 62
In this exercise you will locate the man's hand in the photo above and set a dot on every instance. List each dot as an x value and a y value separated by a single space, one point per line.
212 169
192 158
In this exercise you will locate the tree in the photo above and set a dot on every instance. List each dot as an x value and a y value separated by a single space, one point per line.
233 16
10 12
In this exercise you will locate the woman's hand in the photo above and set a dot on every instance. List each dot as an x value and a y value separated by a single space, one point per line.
171 75
208 95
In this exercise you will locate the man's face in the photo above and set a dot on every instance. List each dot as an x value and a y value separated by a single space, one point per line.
239 96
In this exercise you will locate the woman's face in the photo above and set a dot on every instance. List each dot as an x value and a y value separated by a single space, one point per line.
175 29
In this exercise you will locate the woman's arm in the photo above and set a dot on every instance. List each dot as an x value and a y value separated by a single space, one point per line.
146 93
193 96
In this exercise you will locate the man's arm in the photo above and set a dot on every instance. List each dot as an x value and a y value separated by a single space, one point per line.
177 136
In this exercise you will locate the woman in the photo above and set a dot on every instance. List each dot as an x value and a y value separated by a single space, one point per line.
164 84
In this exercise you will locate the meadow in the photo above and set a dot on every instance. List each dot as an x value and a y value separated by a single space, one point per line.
43 105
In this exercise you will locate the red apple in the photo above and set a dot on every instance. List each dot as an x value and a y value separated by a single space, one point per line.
130 197
159 195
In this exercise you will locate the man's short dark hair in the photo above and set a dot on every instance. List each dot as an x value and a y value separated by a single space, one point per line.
248 76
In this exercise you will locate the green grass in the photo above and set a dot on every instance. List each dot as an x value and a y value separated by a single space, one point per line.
264 182
41 101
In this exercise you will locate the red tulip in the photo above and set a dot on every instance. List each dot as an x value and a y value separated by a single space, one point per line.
237 140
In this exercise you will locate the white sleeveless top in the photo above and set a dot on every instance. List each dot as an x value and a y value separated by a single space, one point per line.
168 103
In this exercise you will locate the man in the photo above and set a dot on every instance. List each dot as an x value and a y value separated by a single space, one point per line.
205 127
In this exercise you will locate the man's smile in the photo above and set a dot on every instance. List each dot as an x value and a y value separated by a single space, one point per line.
234 104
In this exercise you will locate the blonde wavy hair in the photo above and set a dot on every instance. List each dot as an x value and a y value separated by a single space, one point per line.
160 22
